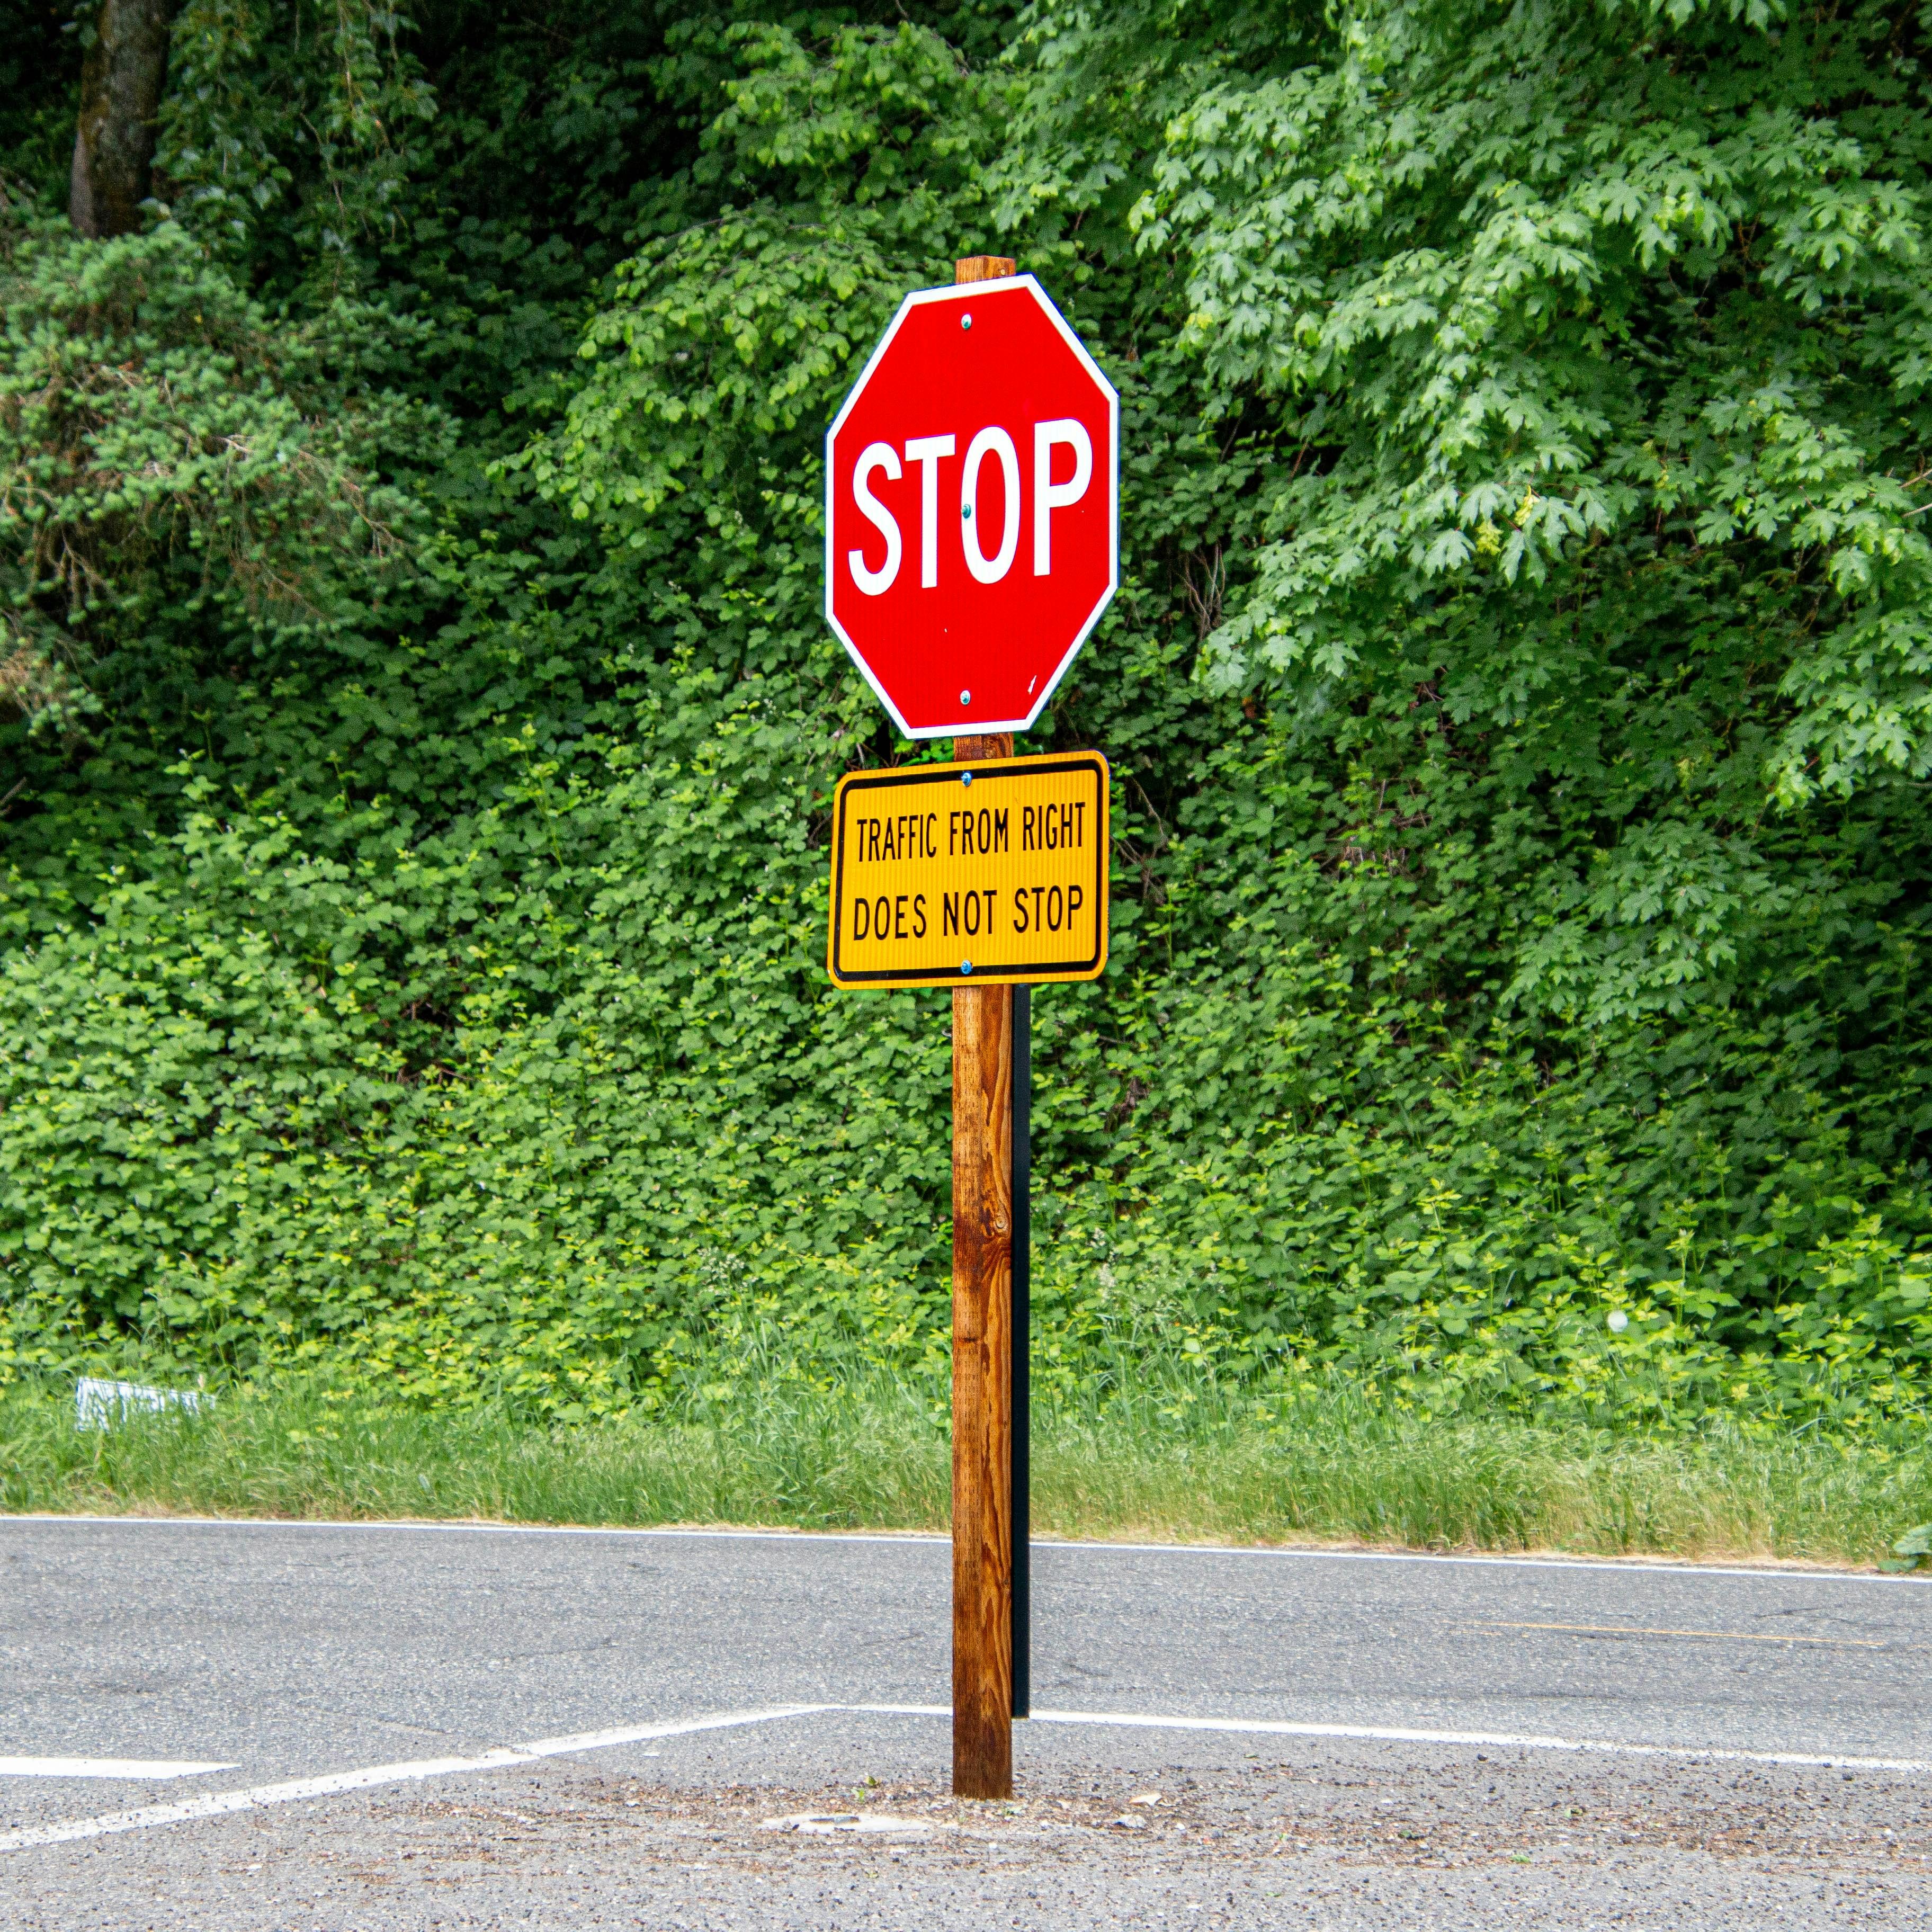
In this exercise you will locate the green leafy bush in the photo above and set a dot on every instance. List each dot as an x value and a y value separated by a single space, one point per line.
413 902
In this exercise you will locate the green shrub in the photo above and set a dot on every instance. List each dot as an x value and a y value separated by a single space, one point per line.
411 871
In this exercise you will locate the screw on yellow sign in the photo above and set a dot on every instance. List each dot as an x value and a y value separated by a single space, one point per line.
955 875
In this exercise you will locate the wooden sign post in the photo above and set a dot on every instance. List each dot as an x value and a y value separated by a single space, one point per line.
983 1345
1021 1541
982 1369
972 483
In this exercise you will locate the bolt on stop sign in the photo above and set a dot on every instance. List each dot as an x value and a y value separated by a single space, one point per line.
972 483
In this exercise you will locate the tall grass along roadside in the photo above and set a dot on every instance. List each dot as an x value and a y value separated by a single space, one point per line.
1333 1465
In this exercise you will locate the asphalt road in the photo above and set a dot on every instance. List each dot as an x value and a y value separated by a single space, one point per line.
1423 1740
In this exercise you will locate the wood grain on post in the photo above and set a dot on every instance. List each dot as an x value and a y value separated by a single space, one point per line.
983 1288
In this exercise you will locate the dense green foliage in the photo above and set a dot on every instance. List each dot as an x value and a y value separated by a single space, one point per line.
1520 691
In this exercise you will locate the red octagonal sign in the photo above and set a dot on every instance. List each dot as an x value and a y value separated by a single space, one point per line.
972 484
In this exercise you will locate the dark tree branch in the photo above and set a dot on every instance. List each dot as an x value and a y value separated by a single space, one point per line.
120 83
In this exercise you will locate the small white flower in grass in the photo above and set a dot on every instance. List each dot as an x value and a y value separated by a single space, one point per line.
1619 1322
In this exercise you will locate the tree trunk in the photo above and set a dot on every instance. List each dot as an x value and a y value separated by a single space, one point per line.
120 94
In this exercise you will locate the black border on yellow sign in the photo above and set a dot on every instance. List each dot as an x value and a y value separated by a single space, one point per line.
1089 968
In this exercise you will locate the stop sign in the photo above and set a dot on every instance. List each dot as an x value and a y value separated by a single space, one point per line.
971 492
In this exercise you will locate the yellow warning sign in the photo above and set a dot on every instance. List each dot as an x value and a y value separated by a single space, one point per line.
954 875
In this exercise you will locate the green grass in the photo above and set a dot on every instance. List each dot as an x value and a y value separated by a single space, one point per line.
1336 1469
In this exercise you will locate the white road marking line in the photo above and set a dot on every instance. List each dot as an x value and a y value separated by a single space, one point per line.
218 1803
1500 1740
106 1767
637 1734
1763 1574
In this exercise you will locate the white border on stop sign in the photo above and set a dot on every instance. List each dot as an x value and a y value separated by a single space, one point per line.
969 292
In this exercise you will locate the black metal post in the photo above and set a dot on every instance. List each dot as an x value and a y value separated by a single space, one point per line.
1022 1359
